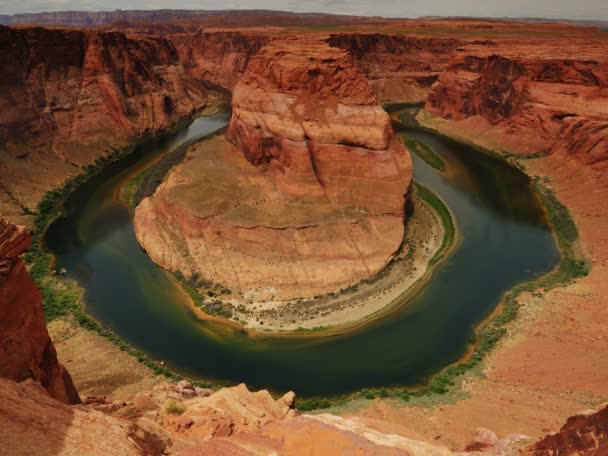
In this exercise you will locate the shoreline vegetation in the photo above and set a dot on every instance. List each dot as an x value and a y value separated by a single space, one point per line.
63 299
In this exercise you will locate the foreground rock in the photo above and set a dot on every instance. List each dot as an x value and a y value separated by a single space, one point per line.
310 196
26 350
31 422
583 434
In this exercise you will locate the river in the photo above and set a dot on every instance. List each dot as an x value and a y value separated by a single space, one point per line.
503 239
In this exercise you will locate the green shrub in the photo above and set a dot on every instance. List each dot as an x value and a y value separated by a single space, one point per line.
312 404
424 152
175 408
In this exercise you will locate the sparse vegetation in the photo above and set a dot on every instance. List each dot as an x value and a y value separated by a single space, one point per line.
175 408
424 152
313 404
301 330
446 218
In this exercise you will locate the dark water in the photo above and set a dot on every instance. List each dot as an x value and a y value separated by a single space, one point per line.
503 240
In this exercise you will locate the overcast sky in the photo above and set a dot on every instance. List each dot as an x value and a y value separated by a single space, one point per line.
568 9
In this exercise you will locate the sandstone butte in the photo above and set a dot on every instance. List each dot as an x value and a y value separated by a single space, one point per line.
308 198
518 87
36 416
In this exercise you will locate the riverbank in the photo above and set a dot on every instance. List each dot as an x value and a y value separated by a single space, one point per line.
429 235
429 232
63 298
438 385
550 360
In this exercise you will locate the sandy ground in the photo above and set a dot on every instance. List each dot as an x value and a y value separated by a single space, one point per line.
423 237
554 361
98 367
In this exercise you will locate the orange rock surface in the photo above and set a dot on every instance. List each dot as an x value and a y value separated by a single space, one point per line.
220 57
72 96
309 199
400 69
26 350
529 97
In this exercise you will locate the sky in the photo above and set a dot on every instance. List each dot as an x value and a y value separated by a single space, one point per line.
565 9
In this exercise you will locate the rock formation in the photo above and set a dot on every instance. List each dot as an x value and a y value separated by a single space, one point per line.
528 98
31 422
400 69
585 434
309 199
26 350
219 57
72 96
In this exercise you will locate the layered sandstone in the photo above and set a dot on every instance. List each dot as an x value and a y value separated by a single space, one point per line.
308 198
582 434
399 68
219 57
26 350
528 97
72 96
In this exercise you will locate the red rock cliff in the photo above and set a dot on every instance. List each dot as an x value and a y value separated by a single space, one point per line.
71 96
399 68
26 350
585 434
529 97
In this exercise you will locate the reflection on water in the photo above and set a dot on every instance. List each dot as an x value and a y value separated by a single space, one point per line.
504 241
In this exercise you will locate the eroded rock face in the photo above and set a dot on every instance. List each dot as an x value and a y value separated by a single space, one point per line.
529 98
188 415
220 57
26 350
72 96
310 196
400 69
585 434
31 422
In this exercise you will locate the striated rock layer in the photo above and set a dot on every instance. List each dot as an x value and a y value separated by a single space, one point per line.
528 98
310 196
400 69
72 96
219 57
585 434
26 350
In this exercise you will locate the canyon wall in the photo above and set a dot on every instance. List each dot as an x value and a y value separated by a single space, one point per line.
400 69
220 57
71 96
26 350
310 195
527 97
